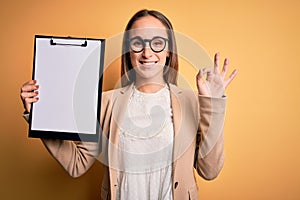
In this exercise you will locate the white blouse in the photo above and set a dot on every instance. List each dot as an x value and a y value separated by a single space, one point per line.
146 147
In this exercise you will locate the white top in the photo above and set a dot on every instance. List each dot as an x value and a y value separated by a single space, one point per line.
146 146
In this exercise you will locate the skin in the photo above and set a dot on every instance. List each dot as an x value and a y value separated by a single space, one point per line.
148 66
29 94
212 83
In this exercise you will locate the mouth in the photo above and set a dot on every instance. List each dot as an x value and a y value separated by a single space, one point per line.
148 63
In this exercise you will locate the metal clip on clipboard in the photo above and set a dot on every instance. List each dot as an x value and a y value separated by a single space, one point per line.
68 44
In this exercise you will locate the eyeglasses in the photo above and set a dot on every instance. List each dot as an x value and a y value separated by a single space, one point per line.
157 44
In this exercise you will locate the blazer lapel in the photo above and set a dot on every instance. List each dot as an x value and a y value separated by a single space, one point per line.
175 93
120 98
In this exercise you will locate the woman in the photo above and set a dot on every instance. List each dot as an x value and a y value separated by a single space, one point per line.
153 133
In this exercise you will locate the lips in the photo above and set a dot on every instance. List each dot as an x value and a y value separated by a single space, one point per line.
147 63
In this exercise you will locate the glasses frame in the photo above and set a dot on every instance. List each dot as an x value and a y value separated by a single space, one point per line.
149 41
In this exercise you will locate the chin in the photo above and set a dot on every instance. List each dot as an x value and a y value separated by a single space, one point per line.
149 72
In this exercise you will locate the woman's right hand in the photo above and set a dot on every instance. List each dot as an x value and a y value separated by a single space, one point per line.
29 94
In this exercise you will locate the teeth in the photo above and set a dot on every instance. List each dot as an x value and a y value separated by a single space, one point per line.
148 63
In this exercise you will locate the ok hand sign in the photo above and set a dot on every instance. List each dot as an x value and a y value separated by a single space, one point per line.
214 84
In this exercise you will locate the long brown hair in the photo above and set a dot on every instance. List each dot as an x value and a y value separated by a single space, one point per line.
171 66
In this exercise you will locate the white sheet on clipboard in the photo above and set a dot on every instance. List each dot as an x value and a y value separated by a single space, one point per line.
68 77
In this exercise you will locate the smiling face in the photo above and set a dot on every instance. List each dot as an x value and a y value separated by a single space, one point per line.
149 65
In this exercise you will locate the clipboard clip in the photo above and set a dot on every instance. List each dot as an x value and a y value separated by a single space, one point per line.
68 44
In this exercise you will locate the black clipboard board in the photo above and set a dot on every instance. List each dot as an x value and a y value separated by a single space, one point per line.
69 72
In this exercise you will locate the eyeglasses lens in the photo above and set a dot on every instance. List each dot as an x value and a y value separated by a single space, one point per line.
157 44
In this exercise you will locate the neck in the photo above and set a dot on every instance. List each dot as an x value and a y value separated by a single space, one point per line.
150 87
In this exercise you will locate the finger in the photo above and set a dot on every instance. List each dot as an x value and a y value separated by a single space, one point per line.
29 87
225 68
216 61
201 83
199 79
199 75
207 70
25 95
31 82
31 100
209 73
231 77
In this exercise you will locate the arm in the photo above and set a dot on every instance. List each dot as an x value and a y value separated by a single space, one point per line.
209 155
75 158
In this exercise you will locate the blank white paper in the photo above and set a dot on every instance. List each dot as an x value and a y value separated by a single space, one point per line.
68 77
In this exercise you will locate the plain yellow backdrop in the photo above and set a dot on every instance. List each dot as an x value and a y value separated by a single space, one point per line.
262 132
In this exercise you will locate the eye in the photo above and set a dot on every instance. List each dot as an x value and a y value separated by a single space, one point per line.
158 42
137 43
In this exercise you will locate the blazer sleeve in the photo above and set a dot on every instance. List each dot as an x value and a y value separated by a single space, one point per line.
209 155
75 157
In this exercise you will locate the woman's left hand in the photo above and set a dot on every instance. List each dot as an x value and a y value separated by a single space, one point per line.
215 83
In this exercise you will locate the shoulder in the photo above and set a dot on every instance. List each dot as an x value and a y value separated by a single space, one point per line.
113 94
185 97
186 93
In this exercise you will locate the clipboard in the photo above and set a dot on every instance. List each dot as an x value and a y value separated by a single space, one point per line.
69 72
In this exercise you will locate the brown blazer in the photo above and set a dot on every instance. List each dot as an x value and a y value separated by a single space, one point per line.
198 141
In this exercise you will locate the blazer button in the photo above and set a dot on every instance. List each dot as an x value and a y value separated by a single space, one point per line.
176 184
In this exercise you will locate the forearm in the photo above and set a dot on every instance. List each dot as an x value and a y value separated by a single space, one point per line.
209 158
209 166
75 158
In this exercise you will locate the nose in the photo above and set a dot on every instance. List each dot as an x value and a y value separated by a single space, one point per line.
147 51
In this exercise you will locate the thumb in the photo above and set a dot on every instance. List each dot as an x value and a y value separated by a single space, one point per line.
199 77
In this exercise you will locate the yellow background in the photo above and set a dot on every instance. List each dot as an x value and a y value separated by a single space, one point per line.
262 132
